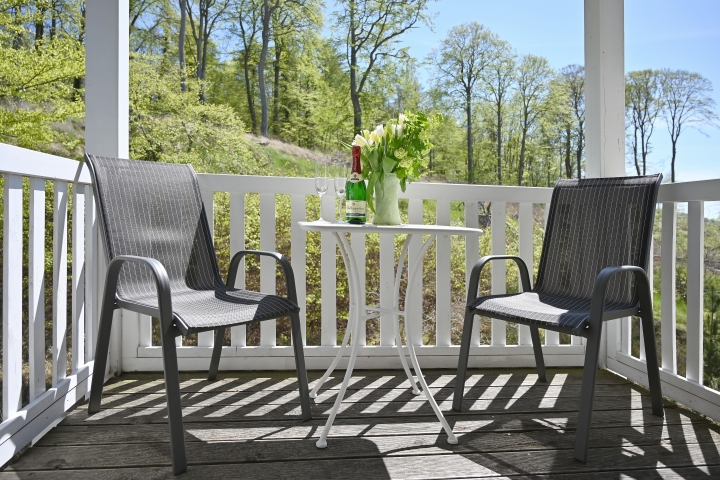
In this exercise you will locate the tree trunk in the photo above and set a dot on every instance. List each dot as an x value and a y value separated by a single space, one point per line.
635 153
672 162
354 94
643 152
39 26
181 45
521 165
468 111
568 164
276 89
249 92
267 13
499 144
578 154
53 19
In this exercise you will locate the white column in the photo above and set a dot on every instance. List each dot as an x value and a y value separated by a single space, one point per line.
605 100
107 109
604 88
107 77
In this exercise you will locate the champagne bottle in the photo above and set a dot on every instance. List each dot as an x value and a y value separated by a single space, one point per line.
355 193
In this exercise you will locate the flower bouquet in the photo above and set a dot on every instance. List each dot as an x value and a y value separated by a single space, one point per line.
393 155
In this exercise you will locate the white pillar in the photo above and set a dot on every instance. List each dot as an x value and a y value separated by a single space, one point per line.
107 77
107 107
605 88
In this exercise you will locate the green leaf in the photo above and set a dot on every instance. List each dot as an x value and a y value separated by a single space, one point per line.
389 164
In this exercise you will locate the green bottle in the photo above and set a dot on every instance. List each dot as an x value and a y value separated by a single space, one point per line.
355 193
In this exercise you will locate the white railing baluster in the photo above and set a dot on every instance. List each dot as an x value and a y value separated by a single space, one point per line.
387 278
268 335
238 334
415 309
59 282
207 339
12 295
36 287
498 211
649 273
359 249
525 250
668 287
443 294
328 278
90 270
695 290
78 277
472 254
298 257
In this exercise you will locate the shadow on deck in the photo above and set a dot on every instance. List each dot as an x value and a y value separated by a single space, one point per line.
246 424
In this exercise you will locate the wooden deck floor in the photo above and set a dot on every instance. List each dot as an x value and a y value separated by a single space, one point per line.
246 425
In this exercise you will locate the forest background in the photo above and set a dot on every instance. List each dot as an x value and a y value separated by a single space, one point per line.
273 86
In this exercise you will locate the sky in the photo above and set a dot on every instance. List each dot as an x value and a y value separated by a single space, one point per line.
658 34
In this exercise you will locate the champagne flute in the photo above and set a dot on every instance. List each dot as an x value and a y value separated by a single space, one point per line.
340 181
321 182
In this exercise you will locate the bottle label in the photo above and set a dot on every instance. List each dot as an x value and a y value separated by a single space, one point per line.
355 208
355 177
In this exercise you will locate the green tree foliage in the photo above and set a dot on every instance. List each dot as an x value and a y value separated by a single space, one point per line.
642 106
38 72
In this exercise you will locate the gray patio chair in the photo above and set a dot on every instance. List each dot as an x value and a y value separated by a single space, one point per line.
161 262
592 269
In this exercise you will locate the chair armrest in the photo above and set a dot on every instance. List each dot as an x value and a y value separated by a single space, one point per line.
477 269
162 282
280 258
597 301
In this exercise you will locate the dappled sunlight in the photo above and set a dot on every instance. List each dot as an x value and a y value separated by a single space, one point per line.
523 388
553 392
491 392
414 404
250 399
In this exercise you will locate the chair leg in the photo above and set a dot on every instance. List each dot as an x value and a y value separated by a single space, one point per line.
172 391
653 368
463 360
217 350
300 366
101 357
587 394
537 348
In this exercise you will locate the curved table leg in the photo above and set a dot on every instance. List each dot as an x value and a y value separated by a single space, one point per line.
396 302
354 323
452 439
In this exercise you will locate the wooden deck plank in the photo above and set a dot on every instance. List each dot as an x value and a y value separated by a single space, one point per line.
263 446
245 426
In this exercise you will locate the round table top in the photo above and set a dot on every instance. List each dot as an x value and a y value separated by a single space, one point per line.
325 226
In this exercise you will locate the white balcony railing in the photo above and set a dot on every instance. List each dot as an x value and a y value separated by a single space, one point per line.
27 416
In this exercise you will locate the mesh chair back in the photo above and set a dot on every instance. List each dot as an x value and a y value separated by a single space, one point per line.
593 224
155 210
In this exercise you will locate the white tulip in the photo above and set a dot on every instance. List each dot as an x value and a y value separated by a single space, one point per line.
379 131
401 119
360 141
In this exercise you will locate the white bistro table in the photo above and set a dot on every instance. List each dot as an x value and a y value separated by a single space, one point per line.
360 312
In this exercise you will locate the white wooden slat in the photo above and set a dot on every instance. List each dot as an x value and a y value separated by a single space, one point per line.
129 335
525 232
78 277
298 257
328 279
207 339
625 335
551 338
144 330
91 296
695 291
387 280
36 287
268 335
59 281
12 295
472 254
238 334
443 294
498 211
415 308
357 241
668 287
